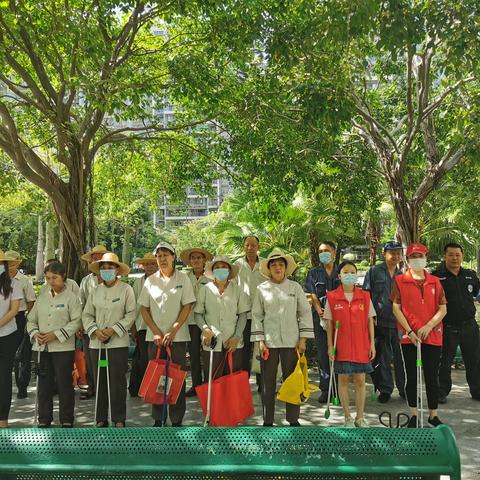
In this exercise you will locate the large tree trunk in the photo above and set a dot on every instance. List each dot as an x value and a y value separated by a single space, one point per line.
373 238
126 245
49 241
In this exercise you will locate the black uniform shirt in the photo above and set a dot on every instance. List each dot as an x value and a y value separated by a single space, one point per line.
460 291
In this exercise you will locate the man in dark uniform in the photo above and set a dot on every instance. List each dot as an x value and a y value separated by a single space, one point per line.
461 286
379 282
320 280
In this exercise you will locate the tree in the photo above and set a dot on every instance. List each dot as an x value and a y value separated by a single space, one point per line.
399 75
70 72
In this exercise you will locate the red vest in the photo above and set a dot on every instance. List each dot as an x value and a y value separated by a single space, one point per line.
353 339
419 307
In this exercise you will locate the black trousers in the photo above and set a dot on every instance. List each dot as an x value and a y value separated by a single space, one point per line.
23 356
86 352
218 358
55 373
389 349
247 348
322 353
288 358
194 349
467 336
139 363
117 367
431 361
179 353
7 354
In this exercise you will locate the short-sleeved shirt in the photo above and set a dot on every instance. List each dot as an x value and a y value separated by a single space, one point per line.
319 282
221 311
165 297
249 279
327 314
27 290
197 283
17 294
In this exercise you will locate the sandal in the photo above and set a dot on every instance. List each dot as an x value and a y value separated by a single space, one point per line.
120 424
102 424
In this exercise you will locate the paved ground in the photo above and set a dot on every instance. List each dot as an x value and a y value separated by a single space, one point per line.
461 413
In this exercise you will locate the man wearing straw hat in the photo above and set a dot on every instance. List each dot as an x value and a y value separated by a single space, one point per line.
148 263
195 258
22 365
88 283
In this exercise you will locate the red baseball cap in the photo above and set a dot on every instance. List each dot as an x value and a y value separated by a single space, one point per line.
416 248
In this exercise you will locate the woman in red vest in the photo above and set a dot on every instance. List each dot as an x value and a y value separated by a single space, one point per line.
352 308
419 305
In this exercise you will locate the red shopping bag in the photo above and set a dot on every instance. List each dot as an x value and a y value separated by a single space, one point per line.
231 398
161 378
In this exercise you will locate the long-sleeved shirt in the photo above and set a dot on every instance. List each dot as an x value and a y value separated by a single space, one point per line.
60 313
224 314
87 285
113 307
137 290
281 314
380 284
71 285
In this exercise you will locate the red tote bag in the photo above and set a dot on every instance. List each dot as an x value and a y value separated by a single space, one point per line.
231 398
162 377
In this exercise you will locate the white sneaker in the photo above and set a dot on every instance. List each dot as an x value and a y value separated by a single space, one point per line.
349 423
361 422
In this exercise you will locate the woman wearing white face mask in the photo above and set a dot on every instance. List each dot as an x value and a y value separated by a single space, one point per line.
352 308
107 317
221 312
419 305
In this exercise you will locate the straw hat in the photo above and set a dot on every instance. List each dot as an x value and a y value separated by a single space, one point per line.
147 258
185 255
15 255
7 258
274 255
111 258
221 258
96 249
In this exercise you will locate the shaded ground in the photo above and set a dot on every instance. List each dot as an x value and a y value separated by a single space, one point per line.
461 413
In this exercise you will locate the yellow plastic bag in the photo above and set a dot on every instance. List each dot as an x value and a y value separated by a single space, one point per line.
296 389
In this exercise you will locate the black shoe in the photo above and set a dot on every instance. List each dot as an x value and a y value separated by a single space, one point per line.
191 392
442 399
383 397
158 423
435 421
323 397
67 425
44 425
22 393
177 424
86 395
412 423
267 424
295 424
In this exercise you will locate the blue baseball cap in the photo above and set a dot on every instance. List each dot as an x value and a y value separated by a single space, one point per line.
392 246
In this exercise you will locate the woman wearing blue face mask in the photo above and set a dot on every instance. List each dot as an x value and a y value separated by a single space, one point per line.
352 308
221 312
108 315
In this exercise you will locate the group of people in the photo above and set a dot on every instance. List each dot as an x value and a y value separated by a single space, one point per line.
251 301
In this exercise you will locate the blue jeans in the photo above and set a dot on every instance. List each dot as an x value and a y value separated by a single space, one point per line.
382 377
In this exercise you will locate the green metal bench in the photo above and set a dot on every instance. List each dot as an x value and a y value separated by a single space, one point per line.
247 453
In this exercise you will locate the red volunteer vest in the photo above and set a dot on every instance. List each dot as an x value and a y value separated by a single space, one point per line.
353 340
419 307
